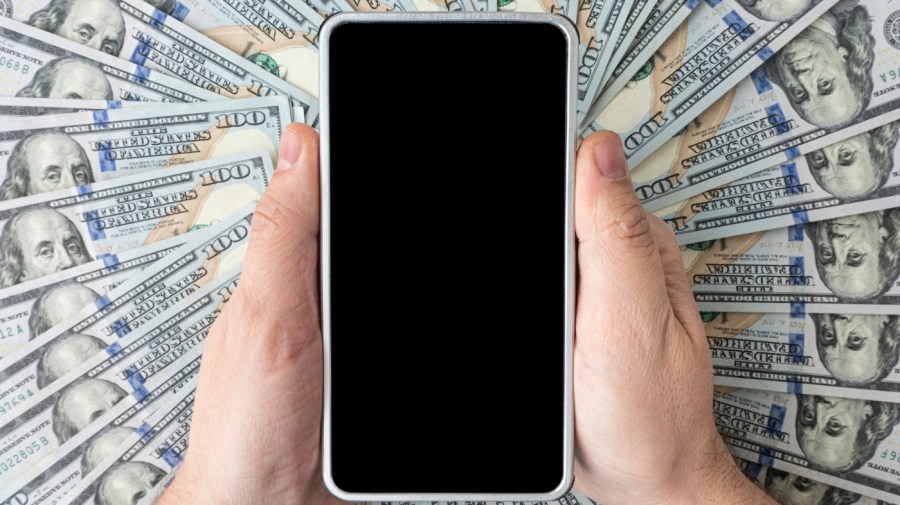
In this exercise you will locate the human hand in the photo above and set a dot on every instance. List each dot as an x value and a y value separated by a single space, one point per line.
255 434
644 426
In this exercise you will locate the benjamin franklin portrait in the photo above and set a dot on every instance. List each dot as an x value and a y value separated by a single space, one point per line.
858 349
44 162
56 304
778 10
826 70
68 77
856 168
64 354
81 403
102 446
39 241
97 24
127 483
790 489
840 435
858 256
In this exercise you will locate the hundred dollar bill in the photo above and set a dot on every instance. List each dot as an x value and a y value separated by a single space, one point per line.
640 13
107 374
844 355
37 64
29 309
563 7
849 177
820 89
46 233
599 24
662 22
17 107
155 40
100 145
54 476
126 308
718 45
143 459
848 264
790 489
845 443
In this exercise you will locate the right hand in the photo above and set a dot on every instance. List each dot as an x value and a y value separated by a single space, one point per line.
643 374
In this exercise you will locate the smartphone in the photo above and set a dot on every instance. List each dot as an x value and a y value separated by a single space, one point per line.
447 146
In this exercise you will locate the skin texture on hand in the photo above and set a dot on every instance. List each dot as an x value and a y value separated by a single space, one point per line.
644 430
643 376
255 435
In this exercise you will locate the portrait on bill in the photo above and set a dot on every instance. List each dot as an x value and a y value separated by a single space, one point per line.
778 10
81 403
840 435
64 354
39 241
44 162
858 349
103 445
790 489
858 167
826 70
68 77
858 256
126 480
97 24
56 304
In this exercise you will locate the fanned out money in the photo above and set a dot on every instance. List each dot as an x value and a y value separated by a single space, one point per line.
765 133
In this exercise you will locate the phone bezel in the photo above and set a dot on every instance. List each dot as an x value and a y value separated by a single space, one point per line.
571 34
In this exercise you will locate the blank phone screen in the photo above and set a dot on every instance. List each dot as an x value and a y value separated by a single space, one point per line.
448 256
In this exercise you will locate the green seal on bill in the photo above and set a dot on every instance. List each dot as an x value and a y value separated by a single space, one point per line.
644 72
701 246
708 316
265 61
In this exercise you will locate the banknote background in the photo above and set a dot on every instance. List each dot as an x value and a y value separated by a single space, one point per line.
765 133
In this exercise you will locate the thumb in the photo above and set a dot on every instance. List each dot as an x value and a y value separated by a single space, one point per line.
617 254
280 269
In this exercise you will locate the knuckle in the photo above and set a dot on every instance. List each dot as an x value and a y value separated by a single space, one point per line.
630 225
270 219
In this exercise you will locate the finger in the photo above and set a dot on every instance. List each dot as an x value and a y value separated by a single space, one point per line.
279 283
678 288
618 257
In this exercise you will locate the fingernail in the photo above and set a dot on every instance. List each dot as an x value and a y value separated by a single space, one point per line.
610 159
289 151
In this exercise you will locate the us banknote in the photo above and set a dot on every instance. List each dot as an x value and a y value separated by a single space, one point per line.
46 233
95 146
109 374
666 17
48 459
131 305
36 64
790 489
845 443
844 355
634 23
848 264
29 309
781 111
718 45
17 107
599 24
144 458
155 40
60 471
849 177
278 35
566 8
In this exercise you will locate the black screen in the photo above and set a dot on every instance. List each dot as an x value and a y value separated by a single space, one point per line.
448 235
